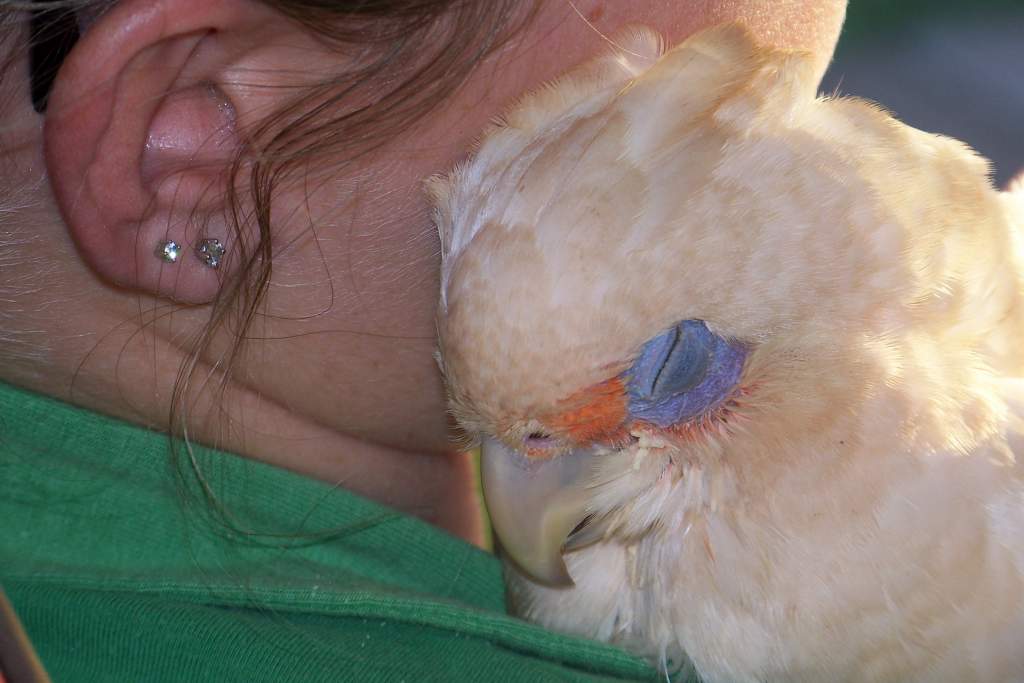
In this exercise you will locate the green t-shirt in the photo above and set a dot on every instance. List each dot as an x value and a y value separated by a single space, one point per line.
123 569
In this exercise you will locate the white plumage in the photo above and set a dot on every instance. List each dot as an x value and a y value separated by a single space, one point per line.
852 509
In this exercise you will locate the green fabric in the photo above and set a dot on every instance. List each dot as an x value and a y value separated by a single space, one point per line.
123 570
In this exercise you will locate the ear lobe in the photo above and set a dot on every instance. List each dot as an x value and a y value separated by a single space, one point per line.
138 139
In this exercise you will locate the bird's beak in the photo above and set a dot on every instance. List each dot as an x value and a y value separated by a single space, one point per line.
535 504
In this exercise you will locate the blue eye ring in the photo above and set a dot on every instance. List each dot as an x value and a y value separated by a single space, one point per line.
682 374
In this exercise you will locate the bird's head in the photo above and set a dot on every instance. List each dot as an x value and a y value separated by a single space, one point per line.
642 261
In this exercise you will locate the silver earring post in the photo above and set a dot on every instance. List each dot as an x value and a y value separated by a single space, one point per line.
210 251
168 251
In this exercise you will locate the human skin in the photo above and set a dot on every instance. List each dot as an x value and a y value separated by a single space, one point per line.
340 382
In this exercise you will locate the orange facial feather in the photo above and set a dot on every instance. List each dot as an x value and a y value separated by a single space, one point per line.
597 413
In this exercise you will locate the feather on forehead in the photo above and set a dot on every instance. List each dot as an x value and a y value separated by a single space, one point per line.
536 227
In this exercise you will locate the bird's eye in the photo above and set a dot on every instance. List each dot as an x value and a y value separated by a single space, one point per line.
682 373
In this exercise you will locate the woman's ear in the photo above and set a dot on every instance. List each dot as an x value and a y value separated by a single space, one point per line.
140 133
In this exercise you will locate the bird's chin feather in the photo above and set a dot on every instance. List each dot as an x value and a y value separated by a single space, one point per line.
630 503
615 493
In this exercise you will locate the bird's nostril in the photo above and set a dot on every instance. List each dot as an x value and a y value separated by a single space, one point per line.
539 440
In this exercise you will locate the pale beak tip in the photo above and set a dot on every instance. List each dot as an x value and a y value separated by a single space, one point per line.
553 574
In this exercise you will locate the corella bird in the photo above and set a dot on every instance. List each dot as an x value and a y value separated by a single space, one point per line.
744 366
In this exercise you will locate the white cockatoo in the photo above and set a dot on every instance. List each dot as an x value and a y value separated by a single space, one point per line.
744 364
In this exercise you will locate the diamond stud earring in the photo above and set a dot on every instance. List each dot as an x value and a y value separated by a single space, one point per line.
168 251
210 251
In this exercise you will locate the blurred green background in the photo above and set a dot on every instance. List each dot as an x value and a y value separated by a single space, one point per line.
945 66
